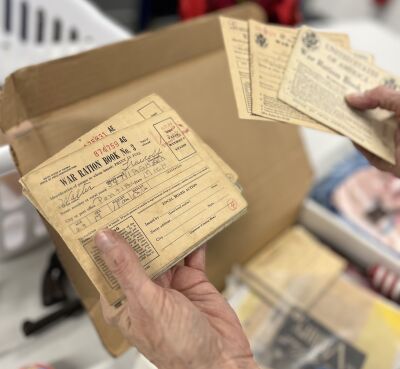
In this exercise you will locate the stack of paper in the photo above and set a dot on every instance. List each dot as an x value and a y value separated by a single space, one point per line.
301 76
145 174
299 309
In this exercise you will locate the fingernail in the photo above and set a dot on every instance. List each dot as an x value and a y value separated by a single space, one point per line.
105 240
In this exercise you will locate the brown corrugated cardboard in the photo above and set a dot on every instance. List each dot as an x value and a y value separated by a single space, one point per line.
11 180
2 139
54 103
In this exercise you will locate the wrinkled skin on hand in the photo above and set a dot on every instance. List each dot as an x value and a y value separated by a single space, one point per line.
177 321
388 99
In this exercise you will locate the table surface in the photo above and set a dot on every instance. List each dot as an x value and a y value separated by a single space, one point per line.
74 342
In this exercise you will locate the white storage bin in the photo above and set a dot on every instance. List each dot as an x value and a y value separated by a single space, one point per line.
32 31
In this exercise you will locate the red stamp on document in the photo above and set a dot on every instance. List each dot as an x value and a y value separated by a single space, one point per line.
232 204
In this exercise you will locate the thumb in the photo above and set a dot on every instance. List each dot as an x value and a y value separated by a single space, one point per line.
124 264
379 97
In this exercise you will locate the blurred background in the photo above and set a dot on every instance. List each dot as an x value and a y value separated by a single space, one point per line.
156 13
41 319
48 29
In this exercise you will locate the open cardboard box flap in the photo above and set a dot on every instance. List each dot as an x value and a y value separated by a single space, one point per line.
45 107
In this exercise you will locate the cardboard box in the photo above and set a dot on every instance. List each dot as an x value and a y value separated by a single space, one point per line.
45 107
10 179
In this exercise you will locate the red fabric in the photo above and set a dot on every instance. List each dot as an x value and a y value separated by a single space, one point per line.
219 4
282 11
192 8
279 11
381 2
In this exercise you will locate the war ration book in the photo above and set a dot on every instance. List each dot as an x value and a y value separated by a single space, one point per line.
235 33
236 39
317 78
270 49
153 182
145 108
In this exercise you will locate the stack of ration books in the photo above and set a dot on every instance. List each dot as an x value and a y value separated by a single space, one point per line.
301 76
145 174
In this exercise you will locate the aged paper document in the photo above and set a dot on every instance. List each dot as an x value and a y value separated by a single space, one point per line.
270 49
145 108
296 306
236 38
369 58
153 182
318 76
287 261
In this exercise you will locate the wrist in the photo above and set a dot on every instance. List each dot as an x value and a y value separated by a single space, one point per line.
233 363
237 363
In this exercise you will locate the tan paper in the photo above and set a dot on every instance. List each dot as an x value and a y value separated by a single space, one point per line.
146 108
318 76
153 182
289 265
270 49
369 58
236 38
348 326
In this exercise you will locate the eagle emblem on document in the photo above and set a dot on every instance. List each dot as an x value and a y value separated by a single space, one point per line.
310 41
261 40
391 83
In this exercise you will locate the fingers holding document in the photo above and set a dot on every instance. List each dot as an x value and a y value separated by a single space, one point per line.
385 98
124 263
299 76
379 97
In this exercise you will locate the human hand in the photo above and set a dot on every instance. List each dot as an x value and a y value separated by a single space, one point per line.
177 321
388 99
